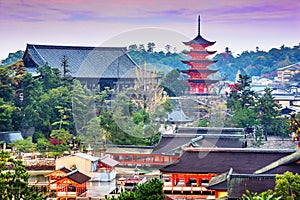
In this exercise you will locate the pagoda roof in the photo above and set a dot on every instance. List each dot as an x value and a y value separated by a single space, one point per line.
202 81
200 52
199 39
242 160
198 61
199 70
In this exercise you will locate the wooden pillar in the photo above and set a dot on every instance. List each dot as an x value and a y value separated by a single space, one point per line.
173 181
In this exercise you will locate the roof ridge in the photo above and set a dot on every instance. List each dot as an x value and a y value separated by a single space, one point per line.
74 46
284 160
249 150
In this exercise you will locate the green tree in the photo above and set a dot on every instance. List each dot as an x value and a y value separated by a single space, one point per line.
244 94
288 186
268 111
50 78
65 65
268 195
243 117
6 112
151 190
83 107
25 145
6 89
173 83
14 180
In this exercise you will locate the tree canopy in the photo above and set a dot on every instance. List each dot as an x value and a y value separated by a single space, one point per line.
14 180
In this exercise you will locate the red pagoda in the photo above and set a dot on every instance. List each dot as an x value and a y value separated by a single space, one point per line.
199 82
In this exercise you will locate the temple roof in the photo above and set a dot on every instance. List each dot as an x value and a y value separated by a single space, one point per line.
77 176
292 67
62 169
108 161
290 159
10 136
242 160
91 62
177 115
175 143
210 130
87 156
199 39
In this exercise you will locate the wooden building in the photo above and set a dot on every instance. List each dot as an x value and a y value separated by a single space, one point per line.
174 144
99 169
57 175
199 166
72 185
93 66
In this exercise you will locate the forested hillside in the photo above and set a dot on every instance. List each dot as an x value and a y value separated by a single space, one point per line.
252 63
12 57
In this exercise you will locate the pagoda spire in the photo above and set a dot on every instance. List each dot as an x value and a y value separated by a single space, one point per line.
198 24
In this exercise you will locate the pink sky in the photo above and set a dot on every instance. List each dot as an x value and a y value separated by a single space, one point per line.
237 24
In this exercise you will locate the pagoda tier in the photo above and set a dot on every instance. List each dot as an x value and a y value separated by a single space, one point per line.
199 72
199 55
199 64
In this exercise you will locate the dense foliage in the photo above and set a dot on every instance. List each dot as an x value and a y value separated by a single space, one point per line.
14 180
153 189
249 110
12 57
56 108
287 188
253 63
46 104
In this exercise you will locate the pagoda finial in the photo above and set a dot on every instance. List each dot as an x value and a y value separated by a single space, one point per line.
198 24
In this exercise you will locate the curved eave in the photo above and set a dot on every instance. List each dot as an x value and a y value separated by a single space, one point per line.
199 40
199 71
200 52
198 61
203 81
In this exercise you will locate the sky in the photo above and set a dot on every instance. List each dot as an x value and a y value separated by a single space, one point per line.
241 25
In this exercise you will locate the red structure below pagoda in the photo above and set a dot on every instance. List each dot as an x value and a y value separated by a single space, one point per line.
199 81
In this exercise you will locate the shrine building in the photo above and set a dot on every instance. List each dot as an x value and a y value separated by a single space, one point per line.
195 169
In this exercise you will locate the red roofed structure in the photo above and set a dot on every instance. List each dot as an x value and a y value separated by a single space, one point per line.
199 81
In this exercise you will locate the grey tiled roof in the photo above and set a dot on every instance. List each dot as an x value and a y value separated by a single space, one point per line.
108 161
85 62
219 160
170 144
177 115
10 136
87 156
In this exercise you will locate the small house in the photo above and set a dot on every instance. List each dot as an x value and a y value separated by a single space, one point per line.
72 185
99 169
57 175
